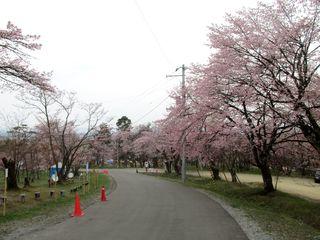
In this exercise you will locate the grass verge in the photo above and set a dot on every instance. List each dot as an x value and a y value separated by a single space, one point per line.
281 214
47 205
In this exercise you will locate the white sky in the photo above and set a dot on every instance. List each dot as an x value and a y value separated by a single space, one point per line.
117 52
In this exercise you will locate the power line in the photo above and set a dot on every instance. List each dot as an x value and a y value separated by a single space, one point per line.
148 91
154 108
165 56
152 89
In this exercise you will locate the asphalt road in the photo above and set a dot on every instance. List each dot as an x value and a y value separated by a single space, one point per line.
144 207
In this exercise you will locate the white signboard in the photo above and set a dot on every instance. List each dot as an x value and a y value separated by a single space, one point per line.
87 167
6 172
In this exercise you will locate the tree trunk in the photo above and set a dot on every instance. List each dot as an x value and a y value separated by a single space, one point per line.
214 171
261 160
76 171
267 178
60 174
168 166
176 166
26 182
197 167
67 171
155 163
233 175
12 174
310 129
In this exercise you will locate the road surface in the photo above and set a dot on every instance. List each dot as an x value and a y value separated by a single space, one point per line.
144 207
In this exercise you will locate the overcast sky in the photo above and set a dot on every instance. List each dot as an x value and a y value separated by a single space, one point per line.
117 52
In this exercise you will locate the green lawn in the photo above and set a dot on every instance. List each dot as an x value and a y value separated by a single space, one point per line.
17 210
287 216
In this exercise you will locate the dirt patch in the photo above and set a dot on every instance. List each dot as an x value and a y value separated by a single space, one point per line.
302 187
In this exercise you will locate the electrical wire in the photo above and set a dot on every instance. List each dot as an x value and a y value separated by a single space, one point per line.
164 55
150 111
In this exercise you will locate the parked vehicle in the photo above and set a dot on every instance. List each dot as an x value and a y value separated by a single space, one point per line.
317 176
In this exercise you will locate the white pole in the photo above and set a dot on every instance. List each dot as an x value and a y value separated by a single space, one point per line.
5 191
183 153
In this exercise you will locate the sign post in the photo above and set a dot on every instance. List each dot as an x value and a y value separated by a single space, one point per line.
5 191
83 184
94 179
87 176
55 189
97 175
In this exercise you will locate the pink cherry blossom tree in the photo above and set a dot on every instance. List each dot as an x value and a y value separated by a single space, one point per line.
258 76
15 68
100 145
281 42
144 145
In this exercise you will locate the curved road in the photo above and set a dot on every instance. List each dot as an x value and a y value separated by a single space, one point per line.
144 207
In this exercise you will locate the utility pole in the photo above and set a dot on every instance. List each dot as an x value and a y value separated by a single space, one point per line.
183 145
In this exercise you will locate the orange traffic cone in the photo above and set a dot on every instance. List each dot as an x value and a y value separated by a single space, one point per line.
103 194
77 209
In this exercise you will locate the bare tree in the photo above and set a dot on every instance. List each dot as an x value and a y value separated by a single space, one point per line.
66 123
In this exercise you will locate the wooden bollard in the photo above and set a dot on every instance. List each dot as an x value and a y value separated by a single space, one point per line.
37 195
3 199
52 192
22 197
